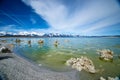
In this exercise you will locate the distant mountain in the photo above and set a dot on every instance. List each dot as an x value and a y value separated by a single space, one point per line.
35 34
2 33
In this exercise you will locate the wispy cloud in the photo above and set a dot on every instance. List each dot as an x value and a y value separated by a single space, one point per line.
7 27
106 22
15 19
79 16
11 28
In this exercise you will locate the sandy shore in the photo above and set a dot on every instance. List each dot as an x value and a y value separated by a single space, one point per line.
14 67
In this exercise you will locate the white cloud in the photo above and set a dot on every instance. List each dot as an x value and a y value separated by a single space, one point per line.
61 18
112 20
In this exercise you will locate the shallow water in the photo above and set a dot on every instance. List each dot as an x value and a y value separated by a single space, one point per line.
54 57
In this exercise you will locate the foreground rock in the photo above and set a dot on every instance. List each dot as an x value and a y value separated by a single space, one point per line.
82 63
106 54
110 78
5 50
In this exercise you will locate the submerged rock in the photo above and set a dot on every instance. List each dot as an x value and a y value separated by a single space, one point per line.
106 54
10 46
119 56
3 41
82 63
101 78
110 78
66 41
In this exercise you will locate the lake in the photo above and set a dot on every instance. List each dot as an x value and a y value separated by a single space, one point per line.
54 57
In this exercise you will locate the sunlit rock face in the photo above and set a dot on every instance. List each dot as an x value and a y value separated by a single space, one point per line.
106 54
82 63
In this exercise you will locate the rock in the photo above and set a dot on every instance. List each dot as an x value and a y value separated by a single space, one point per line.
3 41
66 41
110 78
39 64
117 78
82 63
119 56
17 40
101 78
2 48
29 41
49 55
56 43
70 61
5 50
106 54
10 45
40 42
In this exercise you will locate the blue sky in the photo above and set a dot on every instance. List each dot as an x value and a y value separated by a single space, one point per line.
84 17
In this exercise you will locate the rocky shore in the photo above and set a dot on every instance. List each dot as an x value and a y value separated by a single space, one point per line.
14 67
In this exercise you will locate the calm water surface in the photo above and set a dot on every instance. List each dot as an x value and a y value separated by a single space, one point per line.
54 57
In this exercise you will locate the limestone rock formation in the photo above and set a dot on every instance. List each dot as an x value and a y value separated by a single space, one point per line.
106 54
82 63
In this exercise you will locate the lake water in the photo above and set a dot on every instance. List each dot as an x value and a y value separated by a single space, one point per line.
54 57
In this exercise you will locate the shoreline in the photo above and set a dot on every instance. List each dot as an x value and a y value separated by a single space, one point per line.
60 37
14 67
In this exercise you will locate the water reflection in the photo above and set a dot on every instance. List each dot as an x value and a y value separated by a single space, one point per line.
17 41
40 42
29 43
56 43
